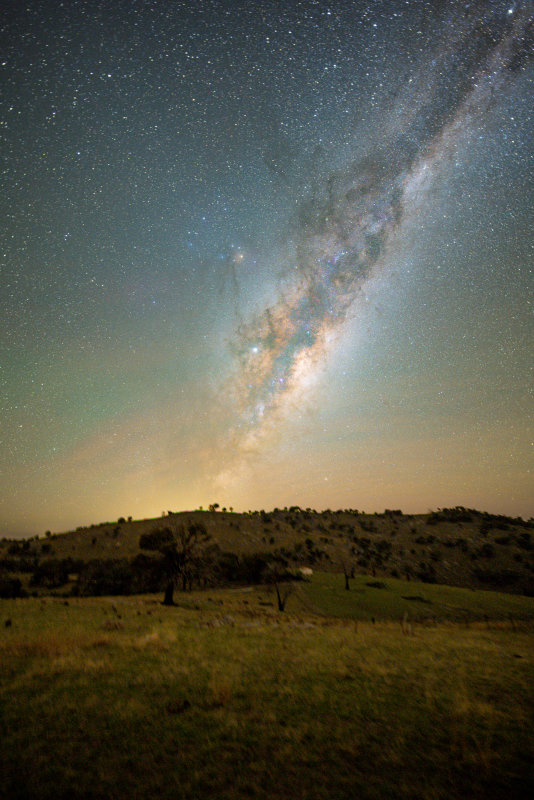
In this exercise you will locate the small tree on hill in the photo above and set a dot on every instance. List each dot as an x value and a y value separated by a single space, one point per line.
282 594
183 555
283 588
348 572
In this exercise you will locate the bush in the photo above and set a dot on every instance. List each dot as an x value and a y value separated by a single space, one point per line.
156 540
524 541
55 572
250 568
18 548
497 579
425 539
148 575
106 578
487 551
457 514
427 573
21 564
11 588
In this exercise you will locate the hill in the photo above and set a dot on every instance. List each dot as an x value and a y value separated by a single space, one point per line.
458 546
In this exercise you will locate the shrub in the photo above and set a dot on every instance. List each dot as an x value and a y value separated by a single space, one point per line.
54 572
457 514
11 588
426 573
524 541
497 578
155 540
250 568
18 548
111 577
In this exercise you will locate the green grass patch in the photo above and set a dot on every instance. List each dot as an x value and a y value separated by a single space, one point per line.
223 697
392 598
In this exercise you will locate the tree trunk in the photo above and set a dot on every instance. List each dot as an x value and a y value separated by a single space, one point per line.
281 601
168 600
347 587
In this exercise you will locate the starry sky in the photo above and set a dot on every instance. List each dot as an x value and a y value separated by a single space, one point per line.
263 254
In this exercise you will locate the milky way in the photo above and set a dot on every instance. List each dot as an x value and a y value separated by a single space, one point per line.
263 253
344 227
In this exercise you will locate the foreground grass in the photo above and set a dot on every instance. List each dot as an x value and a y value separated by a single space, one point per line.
120 699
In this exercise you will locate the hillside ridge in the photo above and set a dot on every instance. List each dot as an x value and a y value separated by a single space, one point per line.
455 546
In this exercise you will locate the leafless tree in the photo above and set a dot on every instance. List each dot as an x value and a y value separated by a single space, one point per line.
348 572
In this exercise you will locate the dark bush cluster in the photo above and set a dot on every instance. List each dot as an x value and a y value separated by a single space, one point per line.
117 576
497 579
524 541
11 588
243 569
457 514
20 564
426 573
157 539
146 574
19 548
425 539
54 572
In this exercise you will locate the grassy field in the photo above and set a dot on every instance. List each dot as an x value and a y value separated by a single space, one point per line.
224 697
390 598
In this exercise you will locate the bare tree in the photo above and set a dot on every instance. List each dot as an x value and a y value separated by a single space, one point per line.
283 588
348 573
282 594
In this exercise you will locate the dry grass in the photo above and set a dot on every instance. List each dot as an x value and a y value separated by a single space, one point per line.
195 703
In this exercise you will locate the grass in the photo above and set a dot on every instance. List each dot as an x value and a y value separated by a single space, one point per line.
423 601
223 697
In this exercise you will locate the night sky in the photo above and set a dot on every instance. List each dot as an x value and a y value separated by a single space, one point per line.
265 254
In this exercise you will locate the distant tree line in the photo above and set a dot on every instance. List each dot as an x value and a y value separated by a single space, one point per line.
180 555
180 559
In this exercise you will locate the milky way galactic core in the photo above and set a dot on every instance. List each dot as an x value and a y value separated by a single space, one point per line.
345 225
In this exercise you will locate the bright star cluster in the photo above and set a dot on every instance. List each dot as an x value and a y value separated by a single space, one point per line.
265 254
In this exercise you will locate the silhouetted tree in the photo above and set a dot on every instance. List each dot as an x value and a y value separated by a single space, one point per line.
282 587
184 554
348 573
